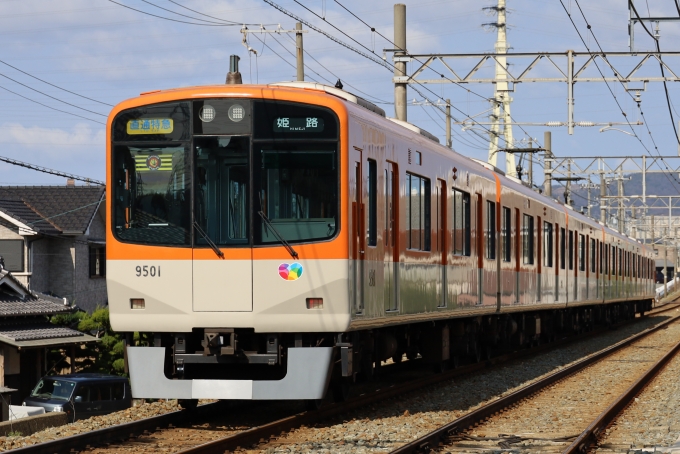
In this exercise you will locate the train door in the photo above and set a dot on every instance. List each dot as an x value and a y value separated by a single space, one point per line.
480 248
442 240
221 221
390 238
358 248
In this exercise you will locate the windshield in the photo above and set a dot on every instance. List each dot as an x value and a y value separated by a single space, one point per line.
48 388
152 194
297 189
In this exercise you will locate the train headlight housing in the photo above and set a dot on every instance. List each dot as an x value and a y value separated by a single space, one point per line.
314 303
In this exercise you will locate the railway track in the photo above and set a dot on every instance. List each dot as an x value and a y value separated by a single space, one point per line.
256 435
565 411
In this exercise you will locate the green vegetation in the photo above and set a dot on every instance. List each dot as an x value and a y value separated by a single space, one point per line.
105 356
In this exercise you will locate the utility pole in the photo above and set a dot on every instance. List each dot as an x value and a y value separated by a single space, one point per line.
567 196
299 52
603 201
547 163
531 165
448 124
400 60
620 202
500 104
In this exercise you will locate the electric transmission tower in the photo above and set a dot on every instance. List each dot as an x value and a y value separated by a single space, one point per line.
500 119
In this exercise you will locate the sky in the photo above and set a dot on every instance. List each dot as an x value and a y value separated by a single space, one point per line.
63 65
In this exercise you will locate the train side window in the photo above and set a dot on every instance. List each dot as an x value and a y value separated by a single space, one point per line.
571 249
563 247
613 261
547 244
600 246
490 240
581 252
527 239
461 223
372 203
506 226
418 215
593 252
620 262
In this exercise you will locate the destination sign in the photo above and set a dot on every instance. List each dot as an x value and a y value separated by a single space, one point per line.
150 126
298 124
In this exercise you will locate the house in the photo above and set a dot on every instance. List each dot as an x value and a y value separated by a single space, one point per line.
52 241
26 333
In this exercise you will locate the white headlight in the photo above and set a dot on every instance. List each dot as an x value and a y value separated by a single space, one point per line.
58 409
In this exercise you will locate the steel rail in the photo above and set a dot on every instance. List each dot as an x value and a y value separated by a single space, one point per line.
590 435
440 435
261 434
119 432
254 435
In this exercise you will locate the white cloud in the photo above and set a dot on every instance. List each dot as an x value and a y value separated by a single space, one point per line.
53 139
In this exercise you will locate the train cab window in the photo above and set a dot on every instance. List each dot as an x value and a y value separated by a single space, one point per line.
571 249
548 244
152 194
527 239
563 247
372 203
581 252
506 233
418 213
461 223
593 255
221 189
490 231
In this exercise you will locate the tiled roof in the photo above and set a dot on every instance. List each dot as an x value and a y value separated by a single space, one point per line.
68 208
13 306
17 301
19 210
37 332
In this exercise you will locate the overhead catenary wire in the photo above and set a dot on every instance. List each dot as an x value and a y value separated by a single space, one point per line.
176 20
374 30
607 84
385 64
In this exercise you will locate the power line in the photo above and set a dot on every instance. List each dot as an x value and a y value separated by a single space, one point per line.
50 96
53 85
50 107
50 171
207 15
373 29
184 15
173 20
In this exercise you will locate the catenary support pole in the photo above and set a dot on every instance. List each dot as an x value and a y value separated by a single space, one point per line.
300 53
547 163
448 124
400 66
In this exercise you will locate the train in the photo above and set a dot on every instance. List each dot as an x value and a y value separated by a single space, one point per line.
282 241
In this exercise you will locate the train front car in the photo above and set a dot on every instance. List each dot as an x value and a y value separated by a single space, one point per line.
225 240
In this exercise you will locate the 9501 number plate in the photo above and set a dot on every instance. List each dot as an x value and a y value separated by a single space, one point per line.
148 271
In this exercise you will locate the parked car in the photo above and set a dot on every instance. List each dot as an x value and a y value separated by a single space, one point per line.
81 395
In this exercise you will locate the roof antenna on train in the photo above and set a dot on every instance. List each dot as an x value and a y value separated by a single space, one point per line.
338 85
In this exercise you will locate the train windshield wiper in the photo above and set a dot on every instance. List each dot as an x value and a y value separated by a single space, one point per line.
276 233
207 239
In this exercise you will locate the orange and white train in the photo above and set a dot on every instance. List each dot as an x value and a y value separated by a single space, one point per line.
278 238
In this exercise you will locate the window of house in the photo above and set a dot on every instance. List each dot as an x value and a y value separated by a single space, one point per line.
461 222
418 213
581 252
12 253
506 233
547 244
97 260
527 239
490 233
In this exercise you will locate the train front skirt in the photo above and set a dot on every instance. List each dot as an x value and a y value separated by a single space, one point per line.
307 377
